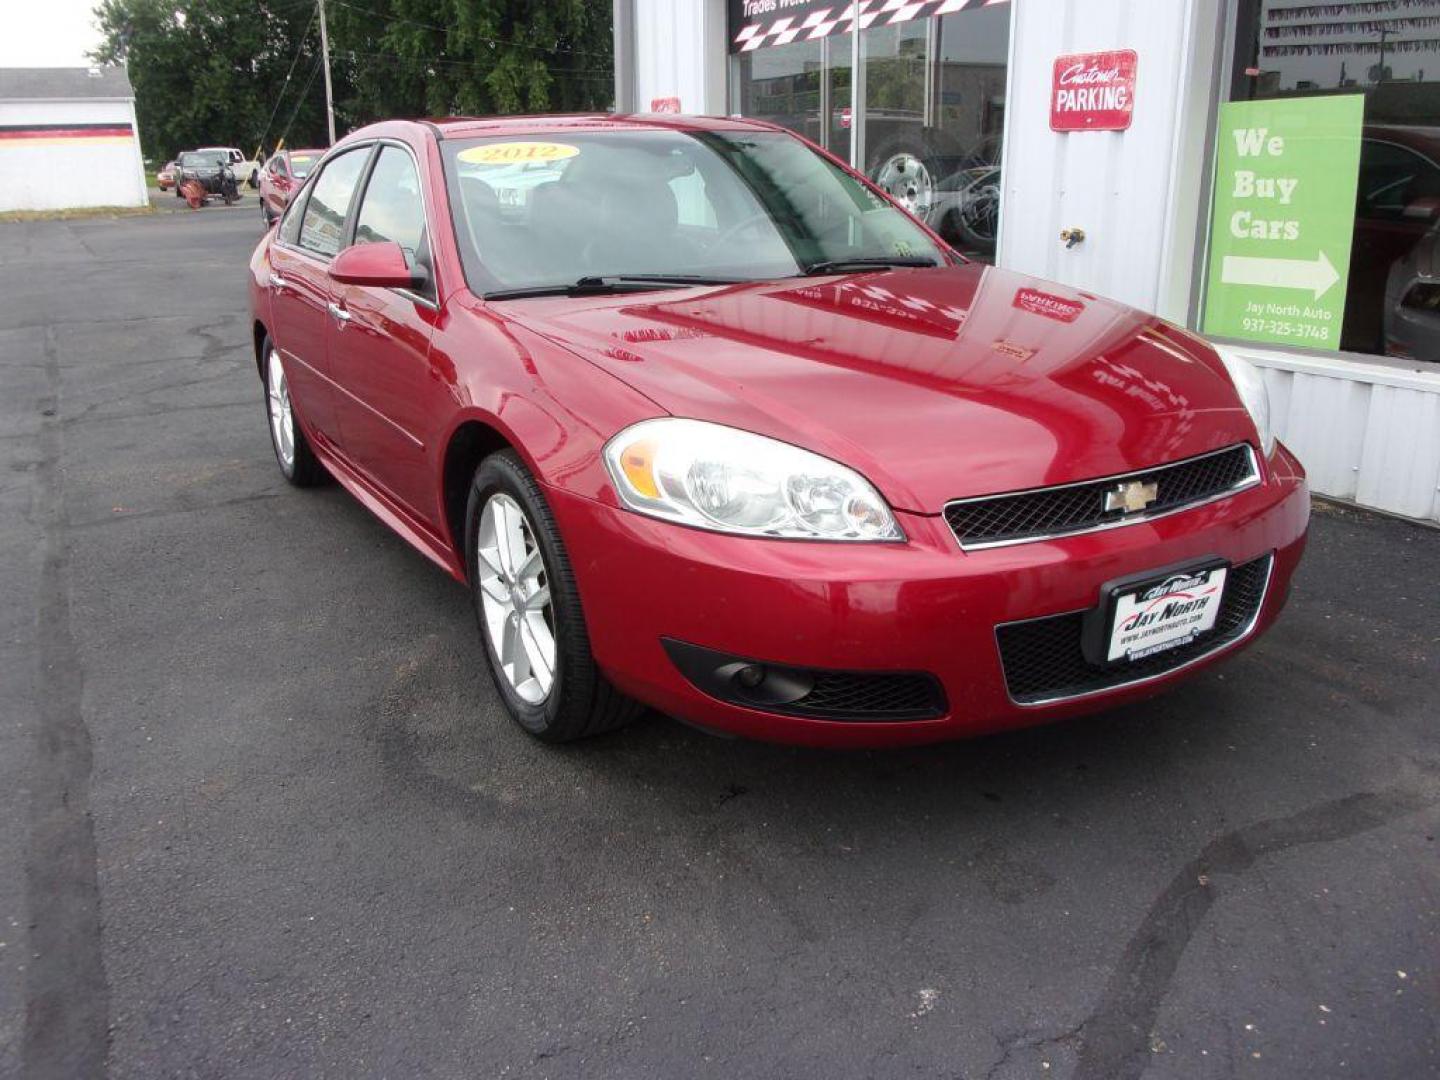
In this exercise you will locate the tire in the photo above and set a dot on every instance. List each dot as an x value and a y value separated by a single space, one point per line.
297 461
907 168
579 701
976 221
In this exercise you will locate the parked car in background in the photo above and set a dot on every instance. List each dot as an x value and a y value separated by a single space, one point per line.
165 178
283 174
1397 202
1412 302
247 170
211 170
707 422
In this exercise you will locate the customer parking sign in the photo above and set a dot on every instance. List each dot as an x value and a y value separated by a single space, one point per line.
1285 179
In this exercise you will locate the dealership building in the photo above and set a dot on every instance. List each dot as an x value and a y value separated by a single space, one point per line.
68 139
1264 172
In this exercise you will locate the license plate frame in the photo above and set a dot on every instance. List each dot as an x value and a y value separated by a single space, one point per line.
1122 598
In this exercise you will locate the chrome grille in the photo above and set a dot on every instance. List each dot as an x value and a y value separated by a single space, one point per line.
1071 508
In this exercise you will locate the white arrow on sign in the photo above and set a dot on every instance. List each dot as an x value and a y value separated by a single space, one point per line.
1313 275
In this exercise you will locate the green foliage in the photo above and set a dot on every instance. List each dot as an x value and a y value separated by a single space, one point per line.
207 72
211 72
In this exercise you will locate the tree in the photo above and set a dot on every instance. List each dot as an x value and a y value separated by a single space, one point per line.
444 57
214 72
209 72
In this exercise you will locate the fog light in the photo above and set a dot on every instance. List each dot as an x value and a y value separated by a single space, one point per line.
750 676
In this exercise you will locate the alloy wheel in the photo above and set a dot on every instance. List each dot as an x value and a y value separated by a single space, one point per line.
515 598
905 179
282 418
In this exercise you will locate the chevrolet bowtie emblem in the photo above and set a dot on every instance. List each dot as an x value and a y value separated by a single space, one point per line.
1131 496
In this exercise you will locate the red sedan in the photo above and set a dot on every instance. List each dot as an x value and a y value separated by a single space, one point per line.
281 177
707 423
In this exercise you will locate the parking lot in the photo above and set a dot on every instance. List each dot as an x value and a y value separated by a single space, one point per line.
267 818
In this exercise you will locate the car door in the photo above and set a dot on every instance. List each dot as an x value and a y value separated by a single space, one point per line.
300 295
392 402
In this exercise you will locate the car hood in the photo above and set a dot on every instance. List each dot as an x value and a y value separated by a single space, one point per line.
936 384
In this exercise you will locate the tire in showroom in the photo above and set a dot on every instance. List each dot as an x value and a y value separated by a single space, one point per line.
579 700
907 167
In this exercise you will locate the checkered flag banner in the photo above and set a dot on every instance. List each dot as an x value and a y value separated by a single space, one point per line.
821 22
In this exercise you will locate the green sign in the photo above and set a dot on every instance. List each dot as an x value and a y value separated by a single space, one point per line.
1285 181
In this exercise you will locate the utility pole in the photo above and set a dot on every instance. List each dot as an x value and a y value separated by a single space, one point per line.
325 59
1384 33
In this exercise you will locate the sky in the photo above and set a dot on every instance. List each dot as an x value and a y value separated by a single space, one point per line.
52 33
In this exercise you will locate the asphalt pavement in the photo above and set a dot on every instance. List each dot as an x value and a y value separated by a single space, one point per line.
266 818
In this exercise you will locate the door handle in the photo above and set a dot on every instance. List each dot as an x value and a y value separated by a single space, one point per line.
341 315
277 281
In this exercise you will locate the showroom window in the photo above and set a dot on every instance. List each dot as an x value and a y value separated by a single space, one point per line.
1326 224
927 122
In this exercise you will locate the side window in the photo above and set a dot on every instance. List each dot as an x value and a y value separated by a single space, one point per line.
323 226
392 208
276 166
1391 178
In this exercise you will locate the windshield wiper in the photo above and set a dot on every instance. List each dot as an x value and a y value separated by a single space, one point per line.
599 285
876 262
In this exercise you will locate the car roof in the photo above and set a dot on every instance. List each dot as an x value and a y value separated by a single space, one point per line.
467 127
1413 136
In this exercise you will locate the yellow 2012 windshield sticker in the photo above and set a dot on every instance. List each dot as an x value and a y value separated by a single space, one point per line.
516 153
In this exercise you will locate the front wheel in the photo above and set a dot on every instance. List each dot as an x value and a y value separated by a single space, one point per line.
297 461
528 610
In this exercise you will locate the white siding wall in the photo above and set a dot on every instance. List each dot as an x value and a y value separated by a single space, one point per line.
680 52
1367 433
50 176
1135 193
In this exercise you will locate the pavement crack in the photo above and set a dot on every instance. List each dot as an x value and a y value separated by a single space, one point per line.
1115 1043
66 994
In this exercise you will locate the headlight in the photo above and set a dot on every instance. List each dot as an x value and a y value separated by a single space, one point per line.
1250 385
721 478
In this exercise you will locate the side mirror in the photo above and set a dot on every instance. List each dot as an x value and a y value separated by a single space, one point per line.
382 266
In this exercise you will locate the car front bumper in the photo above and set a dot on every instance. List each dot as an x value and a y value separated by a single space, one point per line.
922 606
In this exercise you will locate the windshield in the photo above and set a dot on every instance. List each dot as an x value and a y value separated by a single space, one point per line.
551 210
198 159
301 164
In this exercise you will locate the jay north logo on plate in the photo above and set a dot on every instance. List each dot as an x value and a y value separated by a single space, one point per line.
1131 496
1166 614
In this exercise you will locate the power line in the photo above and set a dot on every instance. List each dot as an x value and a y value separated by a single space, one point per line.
299 49
314 69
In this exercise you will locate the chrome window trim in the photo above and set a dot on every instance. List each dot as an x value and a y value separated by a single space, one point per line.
1237 640
1129 519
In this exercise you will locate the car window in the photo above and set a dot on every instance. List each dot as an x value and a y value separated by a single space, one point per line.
323 226
391 208
1391 178
301 164
741 205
